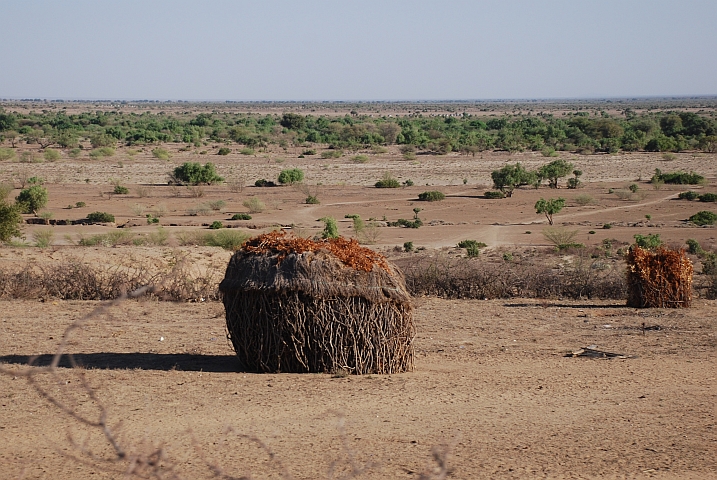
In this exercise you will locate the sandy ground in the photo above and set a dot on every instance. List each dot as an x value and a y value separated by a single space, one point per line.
491 381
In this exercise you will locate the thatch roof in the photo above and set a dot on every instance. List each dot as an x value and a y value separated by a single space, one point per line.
315 270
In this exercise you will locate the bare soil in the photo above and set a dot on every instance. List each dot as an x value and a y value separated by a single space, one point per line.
491 381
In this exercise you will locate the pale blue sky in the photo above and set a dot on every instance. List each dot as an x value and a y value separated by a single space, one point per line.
358 50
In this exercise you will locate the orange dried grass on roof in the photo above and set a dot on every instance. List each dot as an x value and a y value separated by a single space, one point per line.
348 251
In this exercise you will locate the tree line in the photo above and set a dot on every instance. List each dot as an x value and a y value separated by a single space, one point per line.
575 132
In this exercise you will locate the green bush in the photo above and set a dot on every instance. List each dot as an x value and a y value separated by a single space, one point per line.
633 187
224 151
217 205
75 152
408 183
332 154
607 226
216 225
309 152
402 222
161 153
694 247
471 243
678 178
6 154
331 229
494 194
120 190
193 173
241 216
254 205
360 159
689 195
407 246
10 220
102 152
312 200
100 217
247 151
51 155
227 238
704 218
387 182
264 183
432 196
80 204
708 197
32 199
650 241
291 176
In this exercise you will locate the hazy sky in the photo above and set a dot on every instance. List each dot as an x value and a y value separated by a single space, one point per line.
356 50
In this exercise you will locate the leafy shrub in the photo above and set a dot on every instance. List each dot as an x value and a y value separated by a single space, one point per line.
402 222
241 216
74 153
291 176
152 219
312 200
227 238
102 152
224 151
708 197
360 159
471 243
6 154
679 178
247 151
331 229
32 199
650 241
633 187
408 183
694 247
688 195
432 196
51 155
10 221
309 152
332 154
120 190
193 173
161 153
80 204
407 246
704 218
216 225
607 226
388 181
43 238
264 183
494 194
254 204
100 217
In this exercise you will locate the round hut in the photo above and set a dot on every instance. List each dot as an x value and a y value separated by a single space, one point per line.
299 305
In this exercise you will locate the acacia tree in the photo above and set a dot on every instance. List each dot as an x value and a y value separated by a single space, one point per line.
549 207
511 176
555 170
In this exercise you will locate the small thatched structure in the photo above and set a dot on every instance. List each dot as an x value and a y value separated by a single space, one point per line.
297 305
658 279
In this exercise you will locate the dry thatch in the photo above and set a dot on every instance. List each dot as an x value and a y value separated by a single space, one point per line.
658 279
297 305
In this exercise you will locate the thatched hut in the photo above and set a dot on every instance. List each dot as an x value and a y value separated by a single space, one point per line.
298 305
658 279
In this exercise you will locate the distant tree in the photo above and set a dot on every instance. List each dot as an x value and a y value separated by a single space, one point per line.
11 136
511 176
10 218
32 199
549 207
554 171
289 177
389 131
193 173
293 121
